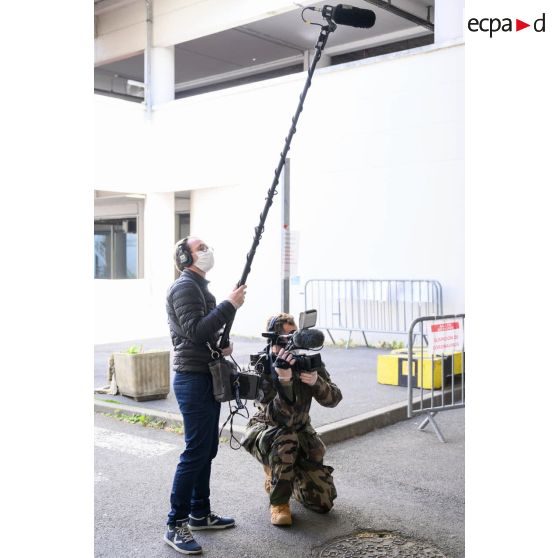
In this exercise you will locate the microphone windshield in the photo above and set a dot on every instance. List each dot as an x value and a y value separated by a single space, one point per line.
308 339
355 17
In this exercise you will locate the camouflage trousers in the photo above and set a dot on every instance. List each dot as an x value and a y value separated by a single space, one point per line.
296 462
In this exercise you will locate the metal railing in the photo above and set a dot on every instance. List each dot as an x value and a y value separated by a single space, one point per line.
437 364
372 305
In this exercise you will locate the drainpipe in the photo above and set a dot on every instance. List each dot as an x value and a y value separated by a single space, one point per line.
147 56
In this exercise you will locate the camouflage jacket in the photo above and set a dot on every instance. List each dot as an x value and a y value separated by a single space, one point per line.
275 410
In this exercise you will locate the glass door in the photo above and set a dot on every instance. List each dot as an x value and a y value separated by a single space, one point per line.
116 249
103 251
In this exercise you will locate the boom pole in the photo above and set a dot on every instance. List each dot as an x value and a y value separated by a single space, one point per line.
320 45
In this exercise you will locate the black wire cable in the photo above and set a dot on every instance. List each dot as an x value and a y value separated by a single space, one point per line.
309 22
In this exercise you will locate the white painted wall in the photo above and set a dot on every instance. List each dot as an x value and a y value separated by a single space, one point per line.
376 176
448 20
128 309
121 136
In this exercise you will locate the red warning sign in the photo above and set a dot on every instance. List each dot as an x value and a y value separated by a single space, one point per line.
445 327
446 335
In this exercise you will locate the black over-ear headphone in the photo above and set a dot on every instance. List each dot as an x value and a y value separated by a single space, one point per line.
184 254
271 326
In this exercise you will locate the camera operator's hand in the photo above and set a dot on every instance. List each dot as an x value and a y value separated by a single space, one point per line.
284 358
227 351
236 298
309 378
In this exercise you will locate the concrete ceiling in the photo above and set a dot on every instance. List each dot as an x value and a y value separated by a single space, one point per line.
272 43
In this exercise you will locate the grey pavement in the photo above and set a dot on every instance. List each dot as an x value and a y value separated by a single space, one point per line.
392 479
353 370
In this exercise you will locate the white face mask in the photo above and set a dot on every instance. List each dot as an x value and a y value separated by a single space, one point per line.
205 260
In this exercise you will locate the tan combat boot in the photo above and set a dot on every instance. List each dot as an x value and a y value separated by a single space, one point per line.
281 514
267 481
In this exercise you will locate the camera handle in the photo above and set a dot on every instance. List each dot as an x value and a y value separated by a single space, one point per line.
320 45
277 382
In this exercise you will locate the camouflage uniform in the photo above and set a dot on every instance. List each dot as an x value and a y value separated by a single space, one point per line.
280 436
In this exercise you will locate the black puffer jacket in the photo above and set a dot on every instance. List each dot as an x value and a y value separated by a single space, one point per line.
197 322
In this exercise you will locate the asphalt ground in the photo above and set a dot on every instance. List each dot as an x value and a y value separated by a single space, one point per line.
395 478
353 370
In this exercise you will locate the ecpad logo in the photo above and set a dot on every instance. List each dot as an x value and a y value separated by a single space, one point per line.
493 25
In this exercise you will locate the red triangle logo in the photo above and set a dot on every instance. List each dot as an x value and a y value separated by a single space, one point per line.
519 25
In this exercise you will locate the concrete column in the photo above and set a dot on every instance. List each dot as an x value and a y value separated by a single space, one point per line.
325 60
162 74
158 238
448 20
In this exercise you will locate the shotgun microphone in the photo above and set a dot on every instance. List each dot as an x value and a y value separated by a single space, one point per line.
308 339
343 14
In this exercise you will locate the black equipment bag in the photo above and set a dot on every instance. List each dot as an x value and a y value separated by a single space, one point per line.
231 383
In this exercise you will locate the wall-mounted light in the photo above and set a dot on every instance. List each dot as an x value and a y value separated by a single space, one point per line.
135 83
105 194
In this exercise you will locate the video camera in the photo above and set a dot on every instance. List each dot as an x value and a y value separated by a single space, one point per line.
304 338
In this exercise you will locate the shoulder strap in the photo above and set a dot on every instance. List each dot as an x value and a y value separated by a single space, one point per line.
211 349
201 294
173 326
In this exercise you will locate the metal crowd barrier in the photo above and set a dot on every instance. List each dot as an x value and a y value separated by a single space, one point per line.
437 362
372 305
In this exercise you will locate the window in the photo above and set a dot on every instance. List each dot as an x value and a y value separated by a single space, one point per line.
116 248
182 231
183 225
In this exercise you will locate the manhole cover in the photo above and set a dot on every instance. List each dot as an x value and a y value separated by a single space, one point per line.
382 544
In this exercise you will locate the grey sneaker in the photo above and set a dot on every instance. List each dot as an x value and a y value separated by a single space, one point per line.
211 521
181 539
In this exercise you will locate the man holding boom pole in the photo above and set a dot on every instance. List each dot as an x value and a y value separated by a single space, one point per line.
195 321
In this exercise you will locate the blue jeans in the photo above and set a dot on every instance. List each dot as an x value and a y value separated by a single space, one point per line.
200 412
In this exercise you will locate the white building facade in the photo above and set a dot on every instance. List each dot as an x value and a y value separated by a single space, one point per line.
376 169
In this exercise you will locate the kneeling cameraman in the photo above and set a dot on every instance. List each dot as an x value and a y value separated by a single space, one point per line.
280 435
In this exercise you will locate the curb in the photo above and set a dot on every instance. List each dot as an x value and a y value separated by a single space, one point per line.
330 433
386 416
171 419
362 424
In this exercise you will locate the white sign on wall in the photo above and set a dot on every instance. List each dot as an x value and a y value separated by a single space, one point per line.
290 252
446 336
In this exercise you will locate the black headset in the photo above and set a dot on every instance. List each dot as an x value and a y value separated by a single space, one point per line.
184 254
273 321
